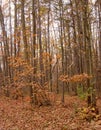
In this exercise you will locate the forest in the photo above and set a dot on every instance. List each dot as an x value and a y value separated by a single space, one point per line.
50 64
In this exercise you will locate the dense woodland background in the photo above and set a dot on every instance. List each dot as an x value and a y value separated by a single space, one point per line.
51 44
50 64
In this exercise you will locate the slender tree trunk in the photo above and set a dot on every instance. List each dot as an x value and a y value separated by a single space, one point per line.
6 46
34 37
24 31
40 43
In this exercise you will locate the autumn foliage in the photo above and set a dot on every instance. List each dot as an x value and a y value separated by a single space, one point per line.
76 78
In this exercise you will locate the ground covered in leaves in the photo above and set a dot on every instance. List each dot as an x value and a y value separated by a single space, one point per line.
18 115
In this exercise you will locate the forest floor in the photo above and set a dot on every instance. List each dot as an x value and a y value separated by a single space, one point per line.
18 115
